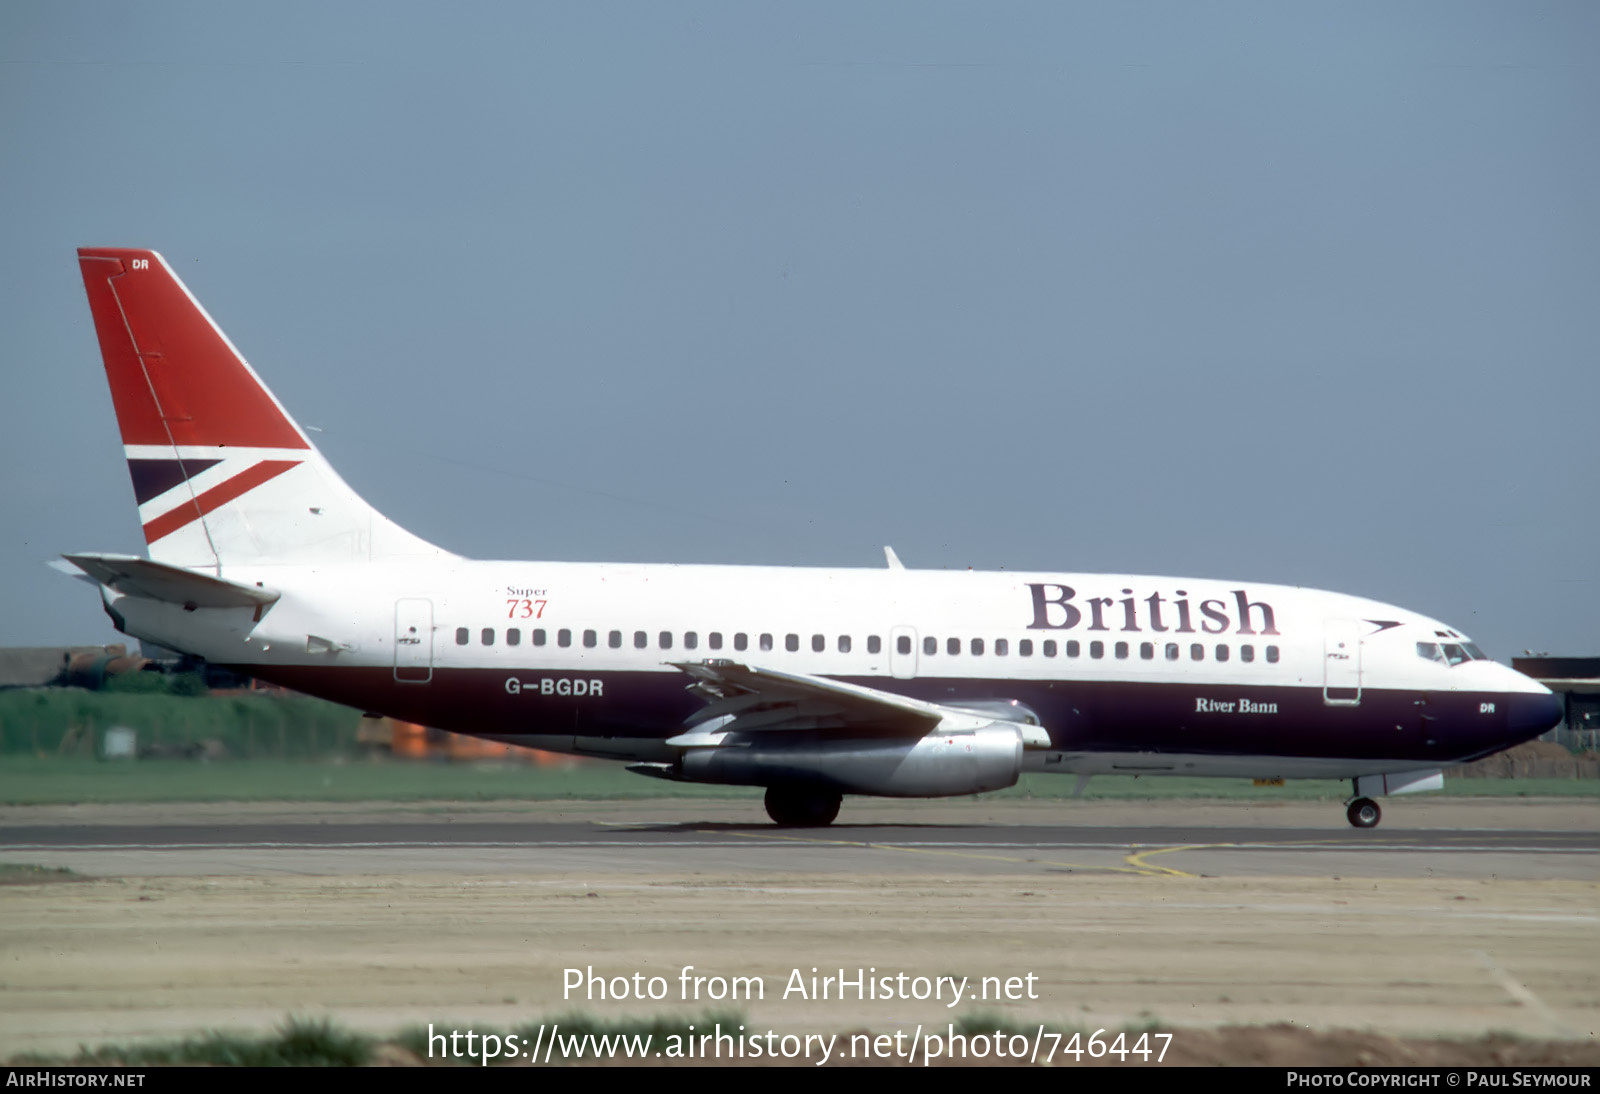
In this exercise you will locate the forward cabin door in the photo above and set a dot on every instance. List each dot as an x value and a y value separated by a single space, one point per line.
413 641
1341 662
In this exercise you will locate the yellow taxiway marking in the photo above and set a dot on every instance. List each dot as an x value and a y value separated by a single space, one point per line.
1139 858
1145 871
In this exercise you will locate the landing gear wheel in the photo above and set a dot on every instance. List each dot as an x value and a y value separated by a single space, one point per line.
791 808
1364 813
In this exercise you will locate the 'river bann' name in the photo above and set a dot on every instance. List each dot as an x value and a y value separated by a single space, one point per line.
1057 608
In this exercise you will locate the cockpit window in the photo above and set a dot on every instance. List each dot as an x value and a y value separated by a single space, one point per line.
1450 653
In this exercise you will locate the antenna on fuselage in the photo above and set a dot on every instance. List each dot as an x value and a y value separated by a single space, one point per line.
894 559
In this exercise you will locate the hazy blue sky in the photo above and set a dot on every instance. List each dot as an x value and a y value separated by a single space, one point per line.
1306 293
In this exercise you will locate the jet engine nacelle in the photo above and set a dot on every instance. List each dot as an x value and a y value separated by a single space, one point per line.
967 761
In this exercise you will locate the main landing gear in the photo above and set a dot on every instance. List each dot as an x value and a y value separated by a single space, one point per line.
1364 813
791 807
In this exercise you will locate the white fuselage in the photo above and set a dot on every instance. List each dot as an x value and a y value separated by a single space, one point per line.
1156 674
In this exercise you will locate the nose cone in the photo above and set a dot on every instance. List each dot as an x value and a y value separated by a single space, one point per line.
1529 715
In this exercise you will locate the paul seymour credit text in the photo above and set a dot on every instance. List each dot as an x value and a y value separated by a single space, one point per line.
810 985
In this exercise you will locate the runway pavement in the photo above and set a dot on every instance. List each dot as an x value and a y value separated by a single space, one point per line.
189 841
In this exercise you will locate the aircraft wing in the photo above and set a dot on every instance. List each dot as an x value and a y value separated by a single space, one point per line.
134 576
741 698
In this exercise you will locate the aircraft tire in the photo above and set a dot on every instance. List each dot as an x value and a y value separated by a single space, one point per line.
1364 813
792 808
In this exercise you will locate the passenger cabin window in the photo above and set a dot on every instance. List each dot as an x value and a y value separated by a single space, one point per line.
488 636
1222 652
563 638
1001 647
538 636
1197 652
952 646
1272 654
791 642
874 643
1172 651
930 645
903 643
1097 649
844 643
614 640
1122 651
640 640
741 641
690 640
1147 651
714 640
590 640
1049 648
664 640
1073 647
513 636
1024 647
463 636
818 643
1247 653
976 647
766 643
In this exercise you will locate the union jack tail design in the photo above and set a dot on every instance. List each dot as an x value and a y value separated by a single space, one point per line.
221 473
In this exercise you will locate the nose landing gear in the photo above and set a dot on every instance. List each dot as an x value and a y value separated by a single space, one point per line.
1364 813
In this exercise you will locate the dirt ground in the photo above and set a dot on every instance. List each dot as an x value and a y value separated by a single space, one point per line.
107 961
1243 970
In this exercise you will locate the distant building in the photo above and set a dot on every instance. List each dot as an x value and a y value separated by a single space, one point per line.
46 666
89 666
1577 681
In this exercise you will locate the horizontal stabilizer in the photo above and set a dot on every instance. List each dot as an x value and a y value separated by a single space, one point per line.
134 576
61 566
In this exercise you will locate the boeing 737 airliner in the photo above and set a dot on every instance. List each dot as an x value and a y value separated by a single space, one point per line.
813 683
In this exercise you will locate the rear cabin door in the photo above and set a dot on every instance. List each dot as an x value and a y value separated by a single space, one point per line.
413 641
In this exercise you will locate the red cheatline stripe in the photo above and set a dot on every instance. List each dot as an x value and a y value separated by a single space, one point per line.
216 497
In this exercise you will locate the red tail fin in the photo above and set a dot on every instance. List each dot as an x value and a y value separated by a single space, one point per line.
221 473
175 378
